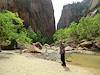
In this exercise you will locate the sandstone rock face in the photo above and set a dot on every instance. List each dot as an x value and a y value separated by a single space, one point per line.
70 13
73 12
94 4
37 13
94 7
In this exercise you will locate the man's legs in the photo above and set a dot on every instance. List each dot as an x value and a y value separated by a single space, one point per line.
63 59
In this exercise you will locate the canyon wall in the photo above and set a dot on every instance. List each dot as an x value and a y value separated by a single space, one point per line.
74 12
37 13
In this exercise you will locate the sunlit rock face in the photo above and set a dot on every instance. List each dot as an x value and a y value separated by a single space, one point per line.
74 12
94 4
37 13
70 13
94 7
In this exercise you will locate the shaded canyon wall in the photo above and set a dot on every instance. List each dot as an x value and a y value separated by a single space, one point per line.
37 13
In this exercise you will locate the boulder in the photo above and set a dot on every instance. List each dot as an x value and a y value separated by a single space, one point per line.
87 44
39 45
46 45
97 44
55 48
80 48
68 48
32 49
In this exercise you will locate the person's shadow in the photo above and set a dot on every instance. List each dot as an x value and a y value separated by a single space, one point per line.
66 68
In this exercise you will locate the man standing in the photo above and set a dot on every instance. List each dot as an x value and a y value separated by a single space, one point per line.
62 53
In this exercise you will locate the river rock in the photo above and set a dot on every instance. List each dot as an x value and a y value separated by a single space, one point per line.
68 48
32 49
39 45
87 44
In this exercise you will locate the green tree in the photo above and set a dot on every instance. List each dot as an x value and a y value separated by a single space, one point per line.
12 28
87 28
32 34
44 39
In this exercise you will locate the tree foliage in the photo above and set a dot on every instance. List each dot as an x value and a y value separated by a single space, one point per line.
44 39
87 28
12 28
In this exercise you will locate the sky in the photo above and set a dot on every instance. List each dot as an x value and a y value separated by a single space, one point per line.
58 6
